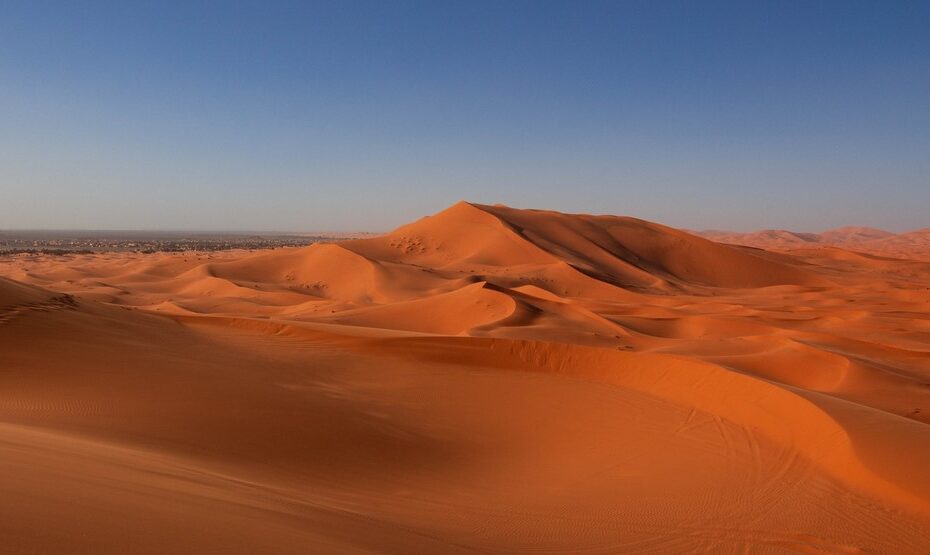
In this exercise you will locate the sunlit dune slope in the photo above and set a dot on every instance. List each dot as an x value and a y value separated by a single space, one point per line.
486 379
623 252
571 256
910 245
14 294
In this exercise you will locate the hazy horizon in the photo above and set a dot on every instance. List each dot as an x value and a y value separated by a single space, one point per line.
364 116
346 231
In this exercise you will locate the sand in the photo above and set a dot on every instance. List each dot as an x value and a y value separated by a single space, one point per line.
909 245
482 380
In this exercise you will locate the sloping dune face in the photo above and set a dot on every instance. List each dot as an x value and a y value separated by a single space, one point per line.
486 379
609 246
910 245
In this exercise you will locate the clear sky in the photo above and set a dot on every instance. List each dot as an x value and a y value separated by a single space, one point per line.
365 115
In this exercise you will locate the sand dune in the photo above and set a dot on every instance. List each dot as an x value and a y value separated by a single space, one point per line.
486 379
909 245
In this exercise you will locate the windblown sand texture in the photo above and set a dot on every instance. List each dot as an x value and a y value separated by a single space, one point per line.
482 380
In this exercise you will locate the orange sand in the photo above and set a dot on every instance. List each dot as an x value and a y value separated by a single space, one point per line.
482 380
910 245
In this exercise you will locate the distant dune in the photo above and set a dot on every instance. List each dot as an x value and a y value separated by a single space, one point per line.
486 379
913 244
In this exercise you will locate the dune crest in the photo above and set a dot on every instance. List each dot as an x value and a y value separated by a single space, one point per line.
486 379
909 245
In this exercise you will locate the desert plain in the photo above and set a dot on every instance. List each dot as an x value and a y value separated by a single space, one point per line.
483 380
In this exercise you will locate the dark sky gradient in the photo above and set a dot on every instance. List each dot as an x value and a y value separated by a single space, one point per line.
357 115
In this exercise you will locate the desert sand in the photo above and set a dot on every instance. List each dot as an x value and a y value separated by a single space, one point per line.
908 245
486 379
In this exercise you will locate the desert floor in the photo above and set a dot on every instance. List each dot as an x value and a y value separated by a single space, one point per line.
482 380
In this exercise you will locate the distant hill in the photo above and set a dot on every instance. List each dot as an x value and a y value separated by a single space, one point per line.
913 244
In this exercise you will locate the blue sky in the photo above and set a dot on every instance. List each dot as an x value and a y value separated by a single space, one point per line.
365 115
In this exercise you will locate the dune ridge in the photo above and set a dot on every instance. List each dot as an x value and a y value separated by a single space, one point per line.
486 379
908 245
